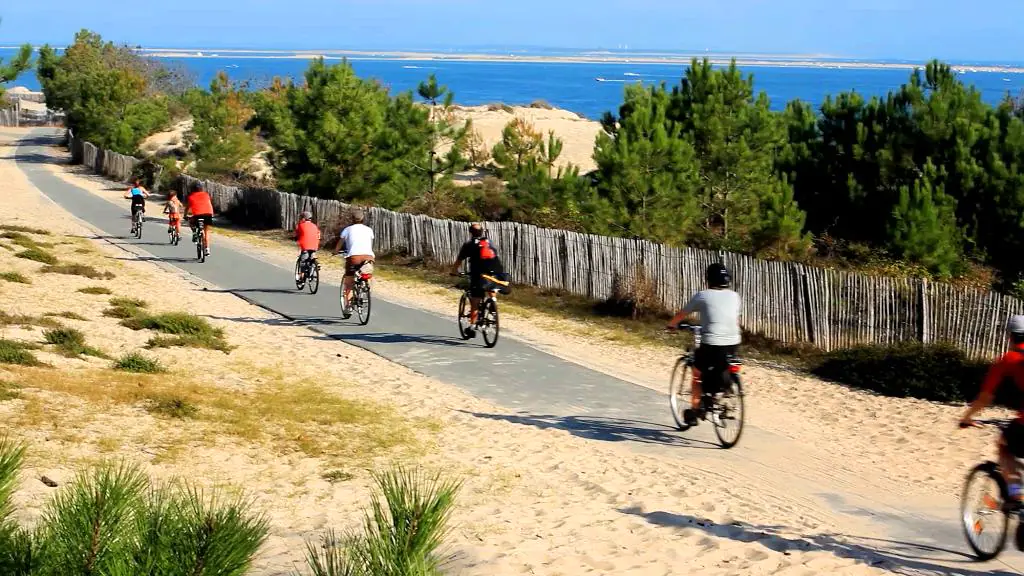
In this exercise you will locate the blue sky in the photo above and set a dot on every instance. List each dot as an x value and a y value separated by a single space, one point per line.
913 29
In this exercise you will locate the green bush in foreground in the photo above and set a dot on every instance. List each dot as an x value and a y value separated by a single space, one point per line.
95 290
16 277
135 362
79 270
403 532
939 372
110 520
187 330
14 352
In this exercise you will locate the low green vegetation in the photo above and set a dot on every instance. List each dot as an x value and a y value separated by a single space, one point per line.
24 229
8 319
71 343
112 517
97 290
402 534
180 329
68 314
15 277
79 270
138 363
9 391
15 352
172 407
23 240
38 255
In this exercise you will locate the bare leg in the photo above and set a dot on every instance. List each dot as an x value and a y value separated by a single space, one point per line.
1008 466
474 307
349 281
695 390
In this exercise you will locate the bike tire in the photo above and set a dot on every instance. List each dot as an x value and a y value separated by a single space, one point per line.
969 524
299 284
490 328
313 281
463 319
721 410
679 391
138 233
200 242
363 304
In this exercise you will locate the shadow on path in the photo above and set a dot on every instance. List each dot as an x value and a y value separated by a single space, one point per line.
895 556
281 321
604 429
393 338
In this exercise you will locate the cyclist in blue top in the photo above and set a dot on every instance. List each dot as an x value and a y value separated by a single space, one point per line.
138 194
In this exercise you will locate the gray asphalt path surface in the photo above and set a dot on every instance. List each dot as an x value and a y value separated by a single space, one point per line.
544 390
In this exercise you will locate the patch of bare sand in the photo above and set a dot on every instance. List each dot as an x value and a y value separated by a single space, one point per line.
536 500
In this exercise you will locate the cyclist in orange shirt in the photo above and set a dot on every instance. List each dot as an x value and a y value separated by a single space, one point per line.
308 236
200 207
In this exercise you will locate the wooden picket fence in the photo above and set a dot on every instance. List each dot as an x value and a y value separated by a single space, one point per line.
786 301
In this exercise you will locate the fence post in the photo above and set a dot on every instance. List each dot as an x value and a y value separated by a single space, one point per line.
923 328
805 287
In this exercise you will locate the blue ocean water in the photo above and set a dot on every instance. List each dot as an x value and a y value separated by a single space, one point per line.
574 86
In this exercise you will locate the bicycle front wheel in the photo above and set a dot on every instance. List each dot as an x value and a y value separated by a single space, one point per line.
464 307
489 323
727 414
680 389
984 520
313 281
363 303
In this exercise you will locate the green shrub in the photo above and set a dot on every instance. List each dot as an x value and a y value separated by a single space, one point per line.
125 308
135 362
931 372
208 341
187 329
78 270
113 521
7 319
9 391
95 290
67 314
38 255
403 532
71 343
14 352
16 277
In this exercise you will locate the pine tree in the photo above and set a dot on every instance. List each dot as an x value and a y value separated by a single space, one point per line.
520 144
923 226
447 134
10 71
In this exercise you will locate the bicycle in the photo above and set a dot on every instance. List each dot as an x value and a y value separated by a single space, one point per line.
721 407
137 218
307 273
173 236
487 321
199 239
360 298
988 541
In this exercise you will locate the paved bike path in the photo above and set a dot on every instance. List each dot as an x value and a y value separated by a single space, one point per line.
546 390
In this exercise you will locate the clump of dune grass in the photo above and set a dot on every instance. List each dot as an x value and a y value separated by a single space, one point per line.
78 270
15 277
38 255
24 229
19 353
172 407
138 363
181 329
95 290
121 307
71 343
8 319
67 314
9 391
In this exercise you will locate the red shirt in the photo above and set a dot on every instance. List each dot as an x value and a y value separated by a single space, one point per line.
199 204
308 235
1011 366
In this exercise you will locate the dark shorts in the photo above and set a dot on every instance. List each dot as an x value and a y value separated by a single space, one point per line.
353 263
478 286
713 363
138 204
305 254
1014 438
207 220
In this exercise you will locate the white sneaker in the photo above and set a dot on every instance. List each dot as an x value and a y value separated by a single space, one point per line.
207 251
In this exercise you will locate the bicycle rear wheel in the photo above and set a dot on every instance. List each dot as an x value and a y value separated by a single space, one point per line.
464 307
299 284
727 413
680 388
138 230
363 302
985 522
489 323
313 280
200 242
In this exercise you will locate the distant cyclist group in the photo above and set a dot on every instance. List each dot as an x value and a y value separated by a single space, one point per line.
198 211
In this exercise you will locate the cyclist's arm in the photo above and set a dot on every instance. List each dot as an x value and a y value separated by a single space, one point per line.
995 376
341 242
683 314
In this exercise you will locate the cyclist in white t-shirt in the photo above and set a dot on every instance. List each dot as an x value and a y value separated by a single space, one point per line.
357 241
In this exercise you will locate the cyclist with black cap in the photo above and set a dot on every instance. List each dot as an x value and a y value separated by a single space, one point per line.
719 311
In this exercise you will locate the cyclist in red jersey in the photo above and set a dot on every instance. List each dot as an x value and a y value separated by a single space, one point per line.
200 207
307 234
1009 367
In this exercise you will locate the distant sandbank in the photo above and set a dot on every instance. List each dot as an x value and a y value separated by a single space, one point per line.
581 58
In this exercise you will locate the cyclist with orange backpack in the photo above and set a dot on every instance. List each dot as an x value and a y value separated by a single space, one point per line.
483 260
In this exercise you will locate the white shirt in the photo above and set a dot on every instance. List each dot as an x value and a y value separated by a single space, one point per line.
719 316
358 240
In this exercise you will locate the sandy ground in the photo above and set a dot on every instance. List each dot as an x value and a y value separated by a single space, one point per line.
535 500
